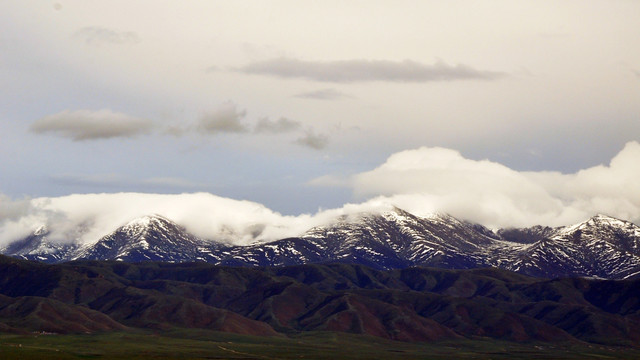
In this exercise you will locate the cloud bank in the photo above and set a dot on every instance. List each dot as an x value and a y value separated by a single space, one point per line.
88 217
422 181
348 71
425 180
88 125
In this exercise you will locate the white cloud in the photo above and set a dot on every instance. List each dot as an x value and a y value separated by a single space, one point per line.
347 71
425 180
89 125
88 217
422 181
16 219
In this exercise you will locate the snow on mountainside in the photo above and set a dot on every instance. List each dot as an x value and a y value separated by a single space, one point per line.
38 247
601 247
150 238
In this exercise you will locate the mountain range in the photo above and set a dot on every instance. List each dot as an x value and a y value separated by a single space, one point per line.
411 304
600 247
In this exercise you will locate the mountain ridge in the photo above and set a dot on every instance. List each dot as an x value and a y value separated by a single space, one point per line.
410 304
600 247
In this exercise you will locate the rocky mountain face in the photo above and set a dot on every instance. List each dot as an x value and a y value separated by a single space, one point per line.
601 247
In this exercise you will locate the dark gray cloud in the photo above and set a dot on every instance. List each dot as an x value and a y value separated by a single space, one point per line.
313 140
89 125
346 71
324 94
226 119
97 35
281 125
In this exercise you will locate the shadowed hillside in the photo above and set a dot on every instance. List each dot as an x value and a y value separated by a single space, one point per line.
413 304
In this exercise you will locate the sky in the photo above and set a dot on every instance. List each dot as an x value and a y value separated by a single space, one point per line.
508 113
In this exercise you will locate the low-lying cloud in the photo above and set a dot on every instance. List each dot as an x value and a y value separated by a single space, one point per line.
425 180
421 181
348 71
88 217
89 125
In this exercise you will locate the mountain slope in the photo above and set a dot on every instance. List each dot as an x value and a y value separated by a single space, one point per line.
412 304
151 238
38 247
602 247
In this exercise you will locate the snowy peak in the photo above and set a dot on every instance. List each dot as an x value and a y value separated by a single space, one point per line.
601 227
601 246
142 225
41 231
148 220
150 238
38 246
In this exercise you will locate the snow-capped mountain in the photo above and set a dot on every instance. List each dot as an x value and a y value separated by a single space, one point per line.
151 238
388 240
601 247
38 247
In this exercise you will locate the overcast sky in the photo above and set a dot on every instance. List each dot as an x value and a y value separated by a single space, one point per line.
300 106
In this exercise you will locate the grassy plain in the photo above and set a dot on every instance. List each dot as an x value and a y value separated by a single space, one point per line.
204 344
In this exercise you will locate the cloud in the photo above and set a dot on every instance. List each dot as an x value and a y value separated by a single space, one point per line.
89 125
347 71
312 140
324 94
96 35
225 119
16 220
422 181
426 180
88 217
281 125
